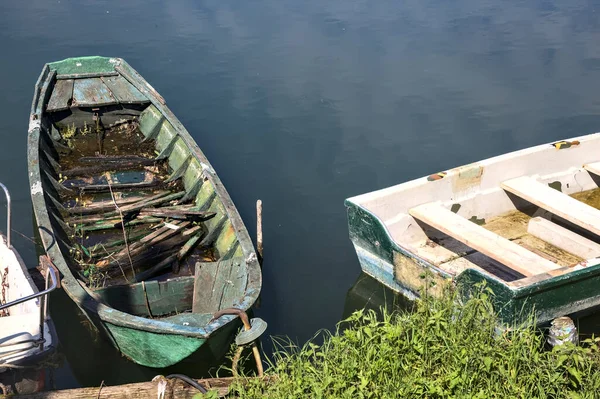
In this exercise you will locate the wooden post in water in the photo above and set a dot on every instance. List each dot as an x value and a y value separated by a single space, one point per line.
259 237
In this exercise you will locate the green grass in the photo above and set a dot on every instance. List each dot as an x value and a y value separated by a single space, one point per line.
441 350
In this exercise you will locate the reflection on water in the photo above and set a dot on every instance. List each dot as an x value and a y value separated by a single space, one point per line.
368 293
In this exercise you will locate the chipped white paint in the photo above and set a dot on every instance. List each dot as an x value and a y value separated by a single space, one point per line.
37 188
78 64
33 124
206 168
251 258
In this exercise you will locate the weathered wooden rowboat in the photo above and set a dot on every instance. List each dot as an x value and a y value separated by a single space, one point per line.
146 237
27 335
527 223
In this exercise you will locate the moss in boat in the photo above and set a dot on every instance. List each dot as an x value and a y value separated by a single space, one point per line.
83 65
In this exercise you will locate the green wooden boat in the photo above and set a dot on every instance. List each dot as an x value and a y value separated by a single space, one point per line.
526 223
147 239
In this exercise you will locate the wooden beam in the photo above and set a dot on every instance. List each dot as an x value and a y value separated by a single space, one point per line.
563 238
556 202
488 243
173 389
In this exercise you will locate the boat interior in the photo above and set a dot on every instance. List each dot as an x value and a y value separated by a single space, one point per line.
128 198
522 217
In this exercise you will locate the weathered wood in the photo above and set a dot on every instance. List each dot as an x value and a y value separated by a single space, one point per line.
123 91
175 389
185 249
485 241
61 96
188 246
204 281
103 188
142 245
178 214
110 166
556 202
103 206
91 93
166 262
115 159
259 236
143 204
563 238
116 223
181 170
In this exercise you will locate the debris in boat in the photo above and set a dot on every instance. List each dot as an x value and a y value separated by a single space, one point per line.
151 204
560 145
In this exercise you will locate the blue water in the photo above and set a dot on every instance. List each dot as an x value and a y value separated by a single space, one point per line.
305 103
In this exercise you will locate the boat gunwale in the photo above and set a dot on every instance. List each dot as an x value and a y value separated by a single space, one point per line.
72 287
540 282
452 172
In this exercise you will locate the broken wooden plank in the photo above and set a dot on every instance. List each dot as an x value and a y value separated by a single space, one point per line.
116 223
103 188
124 91
111 166
556 202
491 244
143 244
204 285
61 96
109 205
182 214
143 204
115 159
185 250
91 93
173 389
563 238
163 264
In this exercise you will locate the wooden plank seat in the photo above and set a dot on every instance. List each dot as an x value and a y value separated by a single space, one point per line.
563 238
123 91
556 202
593 167
91 92
488 243
61 96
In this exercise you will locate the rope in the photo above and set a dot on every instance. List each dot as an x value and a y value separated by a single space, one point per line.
190 381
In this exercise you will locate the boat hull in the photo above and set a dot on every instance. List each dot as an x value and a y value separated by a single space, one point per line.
575 293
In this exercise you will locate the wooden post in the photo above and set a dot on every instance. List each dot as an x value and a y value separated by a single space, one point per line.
259 237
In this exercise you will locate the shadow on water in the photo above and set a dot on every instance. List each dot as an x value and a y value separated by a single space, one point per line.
91 358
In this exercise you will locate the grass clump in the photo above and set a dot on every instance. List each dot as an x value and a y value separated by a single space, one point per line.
444 349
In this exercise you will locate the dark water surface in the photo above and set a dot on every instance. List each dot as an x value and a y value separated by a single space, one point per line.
305 103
